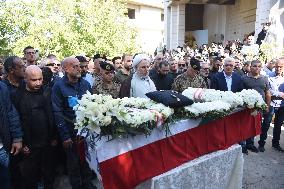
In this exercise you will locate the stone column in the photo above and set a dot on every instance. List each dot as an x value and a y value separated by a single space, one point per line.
175 24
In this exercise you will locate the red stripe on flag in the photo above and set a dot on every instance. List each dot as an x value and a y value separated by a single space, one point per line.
131 168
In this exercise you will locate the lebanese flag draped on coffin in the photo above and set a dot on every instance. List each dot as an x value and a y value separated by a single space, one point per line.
125 163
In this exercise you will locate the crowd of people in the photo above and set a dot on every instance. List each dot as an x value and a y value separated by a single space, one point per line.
37 133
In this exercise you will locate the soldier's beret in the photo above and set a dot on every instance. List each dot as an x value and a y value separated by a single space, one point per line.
195 64
106 66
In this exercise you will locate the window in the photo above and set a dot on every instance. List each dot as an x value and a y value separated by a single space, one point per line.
162 17
131 13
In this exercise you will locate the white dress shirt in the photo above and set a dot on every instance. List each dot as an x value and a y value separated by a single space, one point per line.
228 81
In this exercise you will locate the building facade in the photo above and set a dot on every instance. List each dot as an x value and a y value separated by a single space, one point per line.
148 18
209 21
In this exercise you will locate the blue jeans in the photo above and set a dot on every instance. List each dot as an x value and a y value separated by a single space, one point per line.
4 169
267 118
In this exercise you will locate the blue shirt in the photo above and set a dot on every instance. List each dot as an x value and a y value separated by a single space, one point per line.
277 90
64 114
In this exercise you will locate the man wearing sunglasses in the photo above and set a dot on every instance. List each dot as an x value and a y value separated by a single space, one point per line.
182 67
106 85
30 55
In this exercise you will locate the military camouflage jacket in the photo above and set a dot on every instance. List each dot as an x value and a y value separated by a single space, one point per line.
182 82
101 88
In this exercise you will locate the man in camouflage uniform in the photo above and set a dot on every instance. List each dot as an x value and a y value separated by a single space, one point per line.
106 85
190 78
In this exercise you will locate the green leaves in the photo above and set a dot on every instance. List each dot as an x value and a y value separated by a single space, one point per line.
66 27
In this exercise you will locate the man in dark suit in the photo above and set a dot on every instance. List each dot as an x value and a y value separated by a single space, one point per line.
227 80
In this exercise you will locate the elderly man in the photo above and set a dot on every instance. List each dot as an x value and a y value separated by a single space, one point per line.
139 83
269 68
182 66
34 106
106 85
64 92
204 72
30 55
190 78
227 80
277 107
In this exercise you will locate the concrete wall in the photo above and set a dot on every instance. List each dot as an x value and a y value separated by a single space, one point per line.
240 19
214 19
149 25
175 27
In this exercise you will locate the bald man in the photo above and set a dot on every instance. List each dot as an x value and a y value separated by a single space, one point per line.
65 93
34 106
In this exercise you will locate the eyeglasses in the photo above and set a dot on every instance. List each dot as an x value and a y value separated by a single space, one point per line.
32 52
182 65
52 64
159 59
229 65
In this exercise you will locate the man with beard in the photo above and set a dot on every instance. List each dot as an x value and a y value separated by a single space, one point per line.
65 94
138 84
174 72
204 72
123 73
217 66
158 58
163 80
97 59
84 70
34 106
117 62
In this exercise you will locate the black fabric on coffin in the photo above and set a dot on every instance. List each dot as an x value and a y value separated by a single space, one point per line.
170 98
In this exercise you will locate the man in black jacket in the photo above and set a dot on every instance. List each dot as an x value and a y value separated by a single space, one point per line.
162 79
10 134
35 109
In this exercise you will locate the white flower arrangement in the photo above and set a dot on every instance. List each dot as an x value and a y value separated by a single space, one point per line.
216 108
210 102
210 95
96 111
252 99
